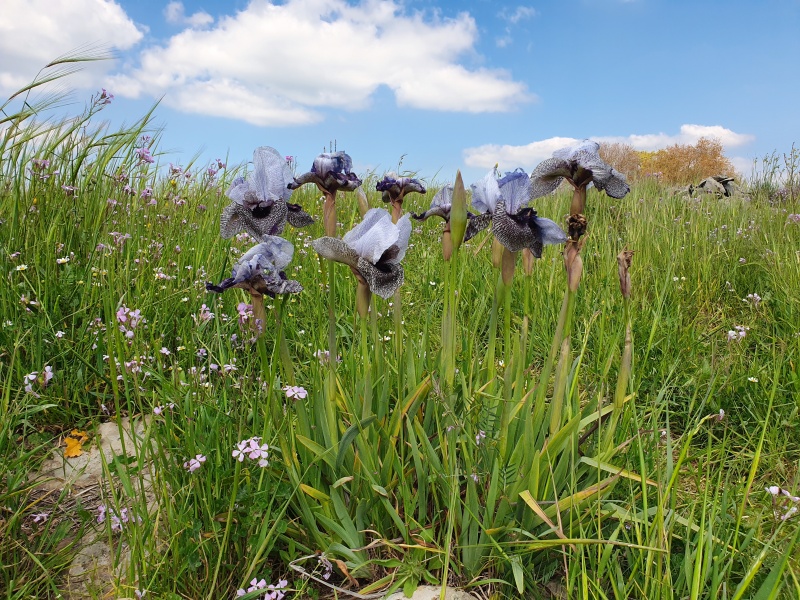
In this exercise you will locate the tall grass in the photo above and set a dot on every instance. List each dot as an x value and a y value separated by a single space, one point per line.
502 480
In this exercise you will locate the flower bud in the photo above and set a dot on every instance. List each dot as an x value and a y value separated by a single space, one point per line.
458 212
624 264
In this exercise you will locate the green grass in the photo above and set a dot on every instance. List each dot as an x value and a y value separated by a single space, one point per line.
405 479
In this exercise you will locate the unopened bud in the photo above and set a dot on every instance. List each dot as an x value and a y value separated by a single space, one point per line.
458 212
624 264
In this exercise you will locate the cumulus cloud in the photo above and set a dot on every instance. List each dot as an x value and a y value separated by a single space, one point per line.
289 60
175 13
34 32
529 155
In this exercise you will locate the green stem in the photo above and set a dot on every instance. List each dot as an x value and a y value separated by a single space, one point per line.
498 293
330 380
286 359
228 522
622 378
366 406
562 369
397 313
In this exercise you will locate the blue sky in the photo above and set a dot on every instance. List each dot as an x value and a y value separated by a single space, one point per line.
439 85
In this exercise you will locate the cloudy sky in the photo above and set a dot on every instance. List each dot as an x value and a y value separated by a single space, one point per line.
428 85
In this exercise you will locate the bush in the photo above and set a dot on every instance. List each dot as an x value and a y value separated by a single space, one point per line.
680 164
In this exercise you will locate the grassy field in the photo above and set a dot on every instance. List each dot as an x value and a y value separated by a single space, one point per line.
539 467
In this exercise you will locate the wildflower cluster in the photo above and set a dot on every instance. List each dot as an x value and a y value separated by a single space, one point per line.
43 379
118 520
784 503
128 320
738 333
273 592
195 463
254 450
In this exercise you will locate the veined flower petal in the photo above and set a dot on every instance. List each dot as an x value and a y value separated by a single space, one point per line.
547 176
384 279
257 223
373 236
581 164
486 192
525 230
271 175
476 224
336 250
515 190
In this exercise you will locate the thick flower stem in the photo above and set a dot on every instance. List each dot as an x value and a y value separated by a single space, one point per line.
259 314
397 210
578 200
329 214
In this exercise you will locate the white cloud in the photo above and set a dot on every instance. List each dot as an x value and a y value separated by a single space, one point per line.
175 13
289 60
34 32
529 155
519 13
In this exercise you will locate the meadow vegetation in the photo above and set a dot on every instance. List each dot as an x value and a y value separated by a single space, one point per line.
640 448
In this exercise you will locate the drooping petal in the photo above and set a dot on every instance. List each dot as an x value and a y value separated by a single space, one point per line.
515 190
525 230
440 204
585 164
547 176
303 179
435 211
550 231
336 250
612 182
373 236
476 224
259 270
297 217
384 279
259 222
485 192
514 234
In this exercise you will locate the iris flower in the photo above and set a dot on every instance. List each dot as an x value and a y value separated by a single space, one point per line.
259 204
394 190
373 250
260 270
331 172
502 201
580 165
